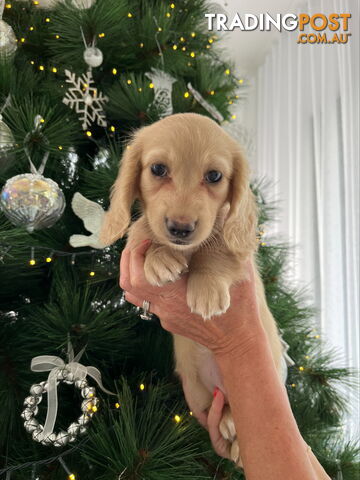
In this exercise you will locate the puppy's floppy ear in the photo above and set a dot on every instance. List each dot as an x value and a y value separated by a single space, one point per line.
123 194
241 222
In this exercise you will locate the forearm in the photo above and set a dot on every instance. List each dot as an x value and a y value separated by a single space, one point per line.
266 428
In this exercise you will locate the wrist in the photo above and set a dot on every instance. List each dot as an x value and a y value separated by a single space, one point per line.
242 343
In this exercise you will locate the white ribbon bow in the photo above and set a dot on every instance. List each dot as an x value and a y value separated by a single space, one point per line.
54 365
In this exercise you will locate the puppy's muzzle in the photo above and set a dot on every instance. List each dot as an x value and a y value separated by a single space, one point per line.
179 231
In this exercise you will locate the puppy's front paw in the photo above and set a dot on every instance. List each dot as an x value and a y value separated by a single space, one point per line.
163 265
207 297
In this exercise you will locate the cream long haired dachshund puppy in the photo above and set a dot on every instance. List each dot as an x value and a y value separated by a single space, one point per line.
192 182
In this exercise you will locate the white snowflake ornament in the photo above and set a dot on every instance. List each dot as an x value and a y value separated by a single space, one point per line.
85 99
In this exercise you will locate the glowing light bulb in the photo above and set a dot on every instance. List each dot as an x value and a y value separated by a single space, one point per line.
142 386
301 369
88 133
57 36
32 262
31 29
92 273
22 40
117 405
168 14
293 385
186 94
174 47
130 15
114 71
48 259
129 82
47 19
227 71
212 92
112 128
233 117
172 5
54 69
71 477
151 85
192 54
177 418
42 68
141 45
241 80
193 34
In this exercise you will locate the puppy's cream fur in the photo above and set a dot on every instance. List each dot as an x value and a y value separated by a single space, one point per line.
191 145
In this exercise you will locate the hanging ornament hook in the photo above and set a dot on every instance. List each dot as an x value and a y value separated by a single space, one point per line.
158 44
6 104
38 121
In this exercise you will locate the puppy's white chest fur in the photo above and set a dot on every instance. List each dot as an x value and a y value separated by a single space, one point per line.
208 371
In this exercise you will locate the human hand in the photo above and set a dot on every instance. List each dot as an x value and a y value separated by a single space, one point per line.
221 446
226 334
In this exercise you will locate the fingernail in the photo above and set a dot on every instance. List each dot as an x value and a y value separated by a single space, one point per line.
216 389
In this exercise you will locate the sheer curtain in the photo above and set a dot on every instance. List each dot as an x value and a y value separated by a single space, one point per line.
307 136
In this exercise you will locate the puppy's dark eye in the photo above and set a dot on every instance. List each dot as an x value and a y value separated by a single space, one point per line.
159 170
213 176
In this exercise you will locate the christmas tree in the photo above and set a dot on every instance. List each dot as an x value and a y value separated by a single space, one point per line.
76 77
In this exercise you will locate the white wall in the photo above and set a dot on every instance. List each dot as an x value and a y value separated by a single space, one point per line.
303 110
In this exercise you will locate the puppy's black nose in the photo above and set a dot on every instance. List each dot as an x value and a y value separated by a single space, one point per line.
178 229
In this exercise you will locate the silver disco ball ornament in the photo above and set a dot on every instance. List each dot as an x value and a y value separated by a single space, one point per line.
8 43
32 201
7 143
93 56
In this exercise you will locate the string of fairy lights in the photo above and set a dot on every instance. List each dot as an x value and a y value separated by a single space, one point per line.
46 255
180 45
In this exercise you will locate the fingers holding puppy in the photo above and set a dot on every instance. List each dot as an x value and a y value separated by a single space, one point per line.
133 276
132 267
164 266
